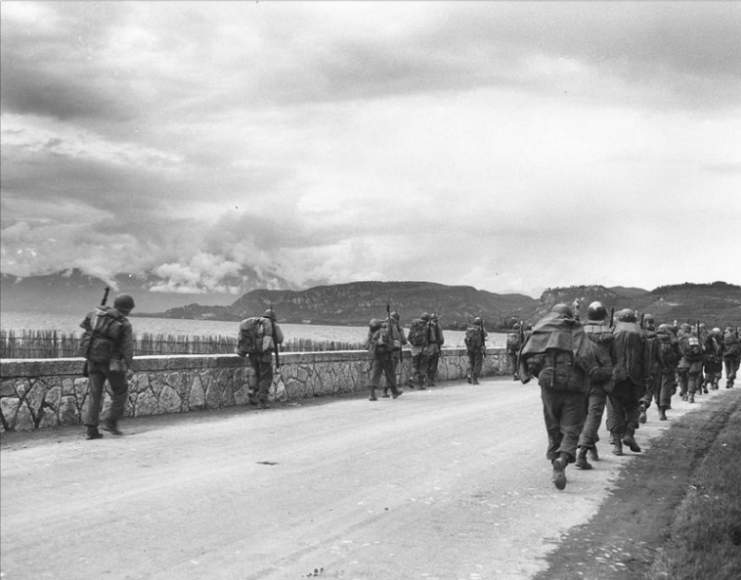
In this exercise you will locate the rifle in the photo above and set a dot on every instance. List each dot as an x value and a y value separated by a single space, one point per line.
612 316
483 338
643 317
275 343
85 372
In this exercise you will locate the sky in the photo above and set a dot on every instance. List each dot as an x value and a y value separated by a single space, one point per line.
508 146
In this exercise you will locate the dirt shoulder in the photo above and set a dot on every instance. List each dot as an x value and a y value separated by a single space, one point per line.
621 540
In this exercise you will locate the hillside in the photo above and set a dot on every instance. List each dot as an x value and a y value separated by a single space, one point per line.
358 302
716 304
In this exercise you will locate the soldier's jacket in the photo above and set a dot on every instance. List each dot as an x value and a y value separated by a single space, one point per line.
561 355
631 353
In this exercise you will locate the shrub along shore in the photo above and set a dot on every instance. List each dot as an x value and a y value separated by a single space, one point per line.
53 344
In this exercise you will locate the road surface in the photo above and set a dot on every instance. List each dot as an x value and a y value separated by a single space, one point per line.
449 483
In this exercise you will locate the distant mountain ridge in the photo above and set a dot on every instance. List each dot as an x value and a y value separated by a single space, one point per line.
71 291
355 303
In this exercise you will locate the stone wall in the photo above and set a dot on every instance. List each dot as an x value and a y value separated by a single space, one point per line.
42 393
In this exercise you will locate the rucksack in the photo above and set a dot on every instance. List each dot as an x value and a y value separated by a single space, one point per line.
417 332
731 346
473 338
255 336
382 339
692 348
98 343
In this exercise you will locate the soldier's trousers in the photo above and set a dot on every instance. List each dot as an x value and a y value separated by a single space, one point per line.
419 368
564 413
382 364
652 389
688 378
668 386
262 376
731 365
475 363
623 408
97 375
432 362
596 402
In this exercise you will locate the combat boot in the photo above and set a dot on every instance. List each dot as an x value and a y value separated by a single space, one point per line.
630 441
112 427
593 454
581 459
662 414
617 446
92 433
559 471
385 394
475 380
373 395
691 398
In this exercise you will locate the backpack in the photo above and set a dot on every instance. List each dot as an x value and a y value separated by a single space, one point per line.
474 338
383 340
255 336
731 347
417 332
98 343
692 348
513 342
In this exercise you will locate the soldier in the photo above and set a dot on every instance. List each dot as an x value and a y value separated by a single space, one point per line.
108 347
435 341
629 374
731 355
653 371
599 332
713 359
400 341
514 342
259 346
418 340
475 340
561 356
690 365
669 356
381 348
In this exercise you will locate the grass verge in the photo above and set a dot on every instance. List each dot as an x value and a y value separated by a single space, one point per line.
705 537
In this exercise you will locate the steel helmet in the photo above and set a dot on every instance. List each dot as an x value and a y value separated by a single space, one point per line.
563 309
596 311
395 315
123 303
270 314
477 320
424 316
375 324
433 316
626 315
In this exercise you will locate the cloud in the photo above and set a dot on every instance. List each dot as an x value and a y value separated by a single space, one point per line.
510 146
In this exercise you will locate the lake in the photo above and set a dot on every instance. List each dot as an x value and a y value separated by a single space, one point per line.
18 321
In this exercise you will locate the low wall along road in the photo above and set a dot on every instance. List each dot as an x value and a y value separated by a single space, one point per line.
43 393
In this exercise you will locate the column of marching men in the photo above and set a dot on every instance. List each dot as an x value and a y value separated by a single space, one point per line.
618 364
614 364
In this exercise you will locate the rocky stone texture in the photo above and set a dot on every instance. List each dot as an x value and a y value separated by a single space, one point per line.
38 394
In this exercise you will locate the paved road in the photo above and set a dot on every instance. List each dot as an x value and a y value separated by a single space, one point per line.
445 484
